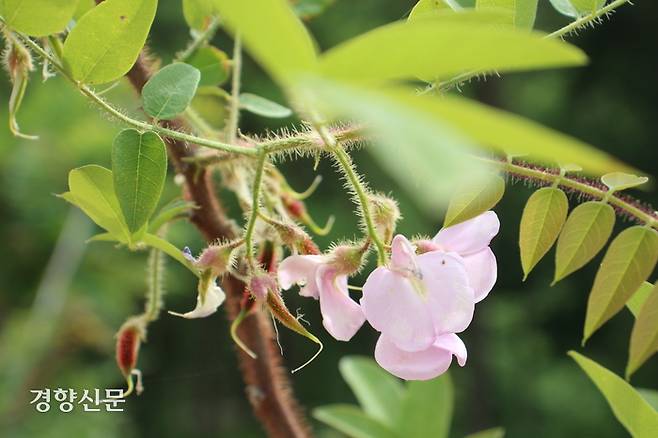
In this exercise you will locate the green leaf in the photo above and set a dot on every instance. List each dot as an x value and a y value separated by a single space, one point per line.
427 158
91 188
474 198
37 17
577 8
496 432
644 337
639 297
632 411
429 8
273 35
263 107
213 64
585 233
523 12
427 406
83 7
503 131
139 165
630 259
105 43
441 47
210 103
307 9
171 211
170 91
378 393
352 421
198 13
617 181
541 222
650 395
157 242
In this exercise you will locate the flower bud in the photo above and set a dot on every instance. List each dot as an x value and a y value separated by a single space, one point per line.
347 259
129 338
295 238
425 245
262 283
216 259
385 214
17 61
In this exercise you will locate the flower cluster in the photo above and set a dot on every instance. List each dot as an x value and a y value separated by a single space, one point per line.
418 302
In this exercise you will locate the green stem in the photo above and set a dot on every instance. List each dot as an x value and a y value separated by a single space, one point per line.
234 103
200 40
255 207
565 181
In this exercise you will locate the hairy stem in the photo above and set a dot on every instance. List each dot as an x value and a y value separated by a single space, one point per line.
255 207
199 41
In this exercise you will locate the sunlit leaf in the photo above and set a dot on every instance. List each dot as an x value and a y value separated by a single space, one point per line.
198 13
585 233
630 259
650 395
644 337
617 181
307 9
91 188
83 7
213 64
504 131
523 12
427 406
639 297
139 165
496 432
263 107
105 43
273 35
352 421
170 91
541 222
428 8
441 47
427 158
472 199
632 411
379 393
171 211
37 17
577 8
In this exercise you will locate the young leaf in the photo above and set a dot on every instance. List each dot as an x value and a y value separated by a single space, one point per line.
617 181
170 91
173 210
379 393
586 231
472 199
497 129
639 297
139 165
263 107
577 8
427 406
441 47
213 64
632 411
197 13
496 432
630 259
541 222
352 421
105 43
644 337
273 35
428 8
523 12
37 17
91 188
427 158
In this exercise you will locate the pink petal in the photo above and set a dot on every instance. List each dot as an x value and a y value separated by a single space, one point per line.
394 307
341 316
420 365
482 269
470 236
449 296
403 254
300 269
452 343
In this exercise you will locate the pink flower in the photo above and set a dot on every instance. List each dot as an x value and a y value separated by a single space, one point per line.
320 279
470 239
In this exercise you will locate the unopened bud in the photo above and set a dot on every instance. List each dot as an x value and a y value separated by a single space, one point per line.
129 338
261 284
216 258
425 245
17 61
347 259
385 214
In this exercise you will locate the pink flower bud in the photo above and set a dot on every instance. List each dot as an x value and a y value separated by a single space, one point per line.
347 259
385 213
261 284
129 338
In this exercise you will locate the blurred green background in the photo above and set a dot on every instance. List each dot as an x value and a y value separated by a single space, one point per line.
61 300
